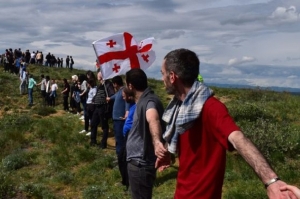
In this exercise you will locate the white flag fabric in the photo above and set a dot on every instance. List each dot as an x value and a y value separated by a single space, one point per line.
119 53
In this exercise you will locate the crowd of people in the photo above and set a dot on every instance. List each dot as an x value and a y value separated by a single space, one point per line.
12 60
195 125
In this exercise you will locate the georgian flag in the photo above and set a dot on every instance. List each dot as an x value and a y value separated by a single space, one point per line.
119 53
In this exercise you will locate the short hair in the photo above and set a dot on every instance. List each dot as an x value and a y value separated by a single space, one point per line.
117 80
137 78
42 76
184 63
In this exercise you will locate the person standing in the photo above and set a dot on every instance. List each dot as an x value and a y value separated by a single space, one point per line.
119 115
31 84
53 93
83 94
128 96
23 81
90 107
65 93
43 88
200 129
144 143
72 63
72 91
61 62
105 89
48 90
67 61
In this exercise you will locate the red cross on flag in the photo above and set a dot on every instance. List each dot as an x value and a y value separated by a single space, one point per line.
119 53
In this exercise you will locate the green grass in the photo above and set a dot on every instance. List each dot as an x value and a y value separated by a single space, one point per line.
44 156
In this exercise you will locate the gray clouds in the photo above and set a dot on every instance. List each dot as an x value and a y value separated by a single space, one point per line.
237 41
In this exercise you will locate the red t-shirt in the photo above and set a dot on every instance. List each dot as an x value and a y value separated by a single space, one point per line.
202 153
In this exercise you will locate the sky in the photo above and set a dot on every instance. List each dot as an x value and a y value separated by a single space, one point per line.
253 42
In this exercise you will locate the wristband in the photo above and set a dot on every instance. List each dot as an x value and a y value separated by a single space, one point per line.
271 182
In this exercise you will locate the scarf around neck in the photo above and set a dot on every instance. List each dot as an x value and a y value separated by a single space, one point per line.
180 116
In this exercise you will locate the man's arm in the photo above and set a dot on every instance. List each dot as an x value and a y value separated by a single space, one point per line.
259 164
152 118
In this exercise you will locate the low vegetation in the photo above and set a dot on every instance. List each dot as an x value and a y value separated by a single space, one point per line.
44 156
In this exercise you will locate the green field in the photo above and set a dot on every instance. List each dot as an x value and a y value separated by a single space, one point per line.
44 156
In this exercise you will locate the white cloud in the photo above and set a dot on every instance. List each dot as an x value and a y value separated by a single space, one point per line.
236 61
282 15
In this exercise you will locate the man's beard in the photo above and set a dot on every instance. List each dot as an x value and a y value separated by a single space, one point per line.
170 90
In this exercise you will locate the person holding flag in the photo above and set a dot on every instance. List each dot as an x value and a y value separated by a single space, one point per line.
105 89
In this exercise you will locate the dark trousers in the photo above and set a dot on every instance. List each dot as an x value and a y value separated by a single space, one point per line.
118 131
97 118
90 108
141 180
66 105
122 163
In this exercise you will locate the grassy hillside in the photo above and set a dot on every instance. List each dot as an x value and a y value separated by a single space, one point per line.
44 156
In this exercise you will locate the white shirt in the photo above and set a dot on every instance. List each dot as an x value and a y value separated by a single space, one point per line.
54 87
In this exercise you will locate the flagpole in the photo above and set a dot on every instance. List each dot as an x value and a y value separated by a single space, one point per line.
100 70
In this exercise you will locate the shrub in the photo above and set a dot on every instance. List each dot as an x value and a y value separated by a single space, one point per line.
65 177
43 110
7 185
95 191
15 161
36 191
273 139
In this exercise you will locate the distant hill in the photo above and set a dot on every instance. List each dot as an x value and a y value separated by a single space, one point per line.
293 91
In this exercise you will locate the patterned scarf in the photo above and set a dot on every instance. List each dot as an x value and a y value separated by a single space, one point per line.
180 116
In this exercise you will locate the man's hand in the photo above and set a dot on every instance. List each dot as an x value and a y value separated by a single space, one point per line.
160 151
274 191
164 163
293 191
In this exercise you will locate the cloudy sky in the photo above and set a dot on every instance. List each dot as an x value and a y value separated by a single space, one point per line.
253 42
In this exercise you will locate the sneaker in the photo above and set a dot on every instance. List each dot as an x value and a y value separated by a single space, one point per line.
81 118
83 131
88 134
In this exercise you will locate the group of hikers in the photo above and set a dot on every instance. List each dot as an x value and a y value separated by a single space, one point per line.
195 126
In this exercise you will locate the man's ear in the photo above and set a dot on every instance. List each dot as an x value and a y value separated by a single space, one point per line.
172 77
130 86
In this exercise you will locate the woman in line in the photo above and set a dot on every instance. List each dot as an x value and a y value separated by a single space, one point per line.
90 107
65 93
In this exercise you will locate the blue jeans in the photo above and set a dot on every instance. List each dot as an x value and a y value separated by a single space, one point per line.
30 98
141 180
118 130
